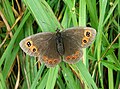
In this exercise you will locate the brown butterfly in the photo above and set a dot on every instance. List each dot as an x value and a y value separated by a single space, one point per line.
52 47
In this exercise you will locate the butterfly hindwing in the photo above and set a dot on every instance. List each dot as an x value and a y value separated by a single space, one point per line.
50 56
73 52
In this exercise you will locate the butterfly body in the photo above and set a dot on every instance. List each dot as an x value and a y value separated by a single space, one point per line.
49 47
59 43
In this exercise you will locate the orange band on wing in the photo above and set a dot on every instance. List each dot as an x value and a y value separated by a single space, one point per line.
73 56
49 60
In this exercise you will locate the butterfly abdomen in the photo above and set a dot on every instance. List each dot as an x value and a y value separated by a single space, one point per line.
60 44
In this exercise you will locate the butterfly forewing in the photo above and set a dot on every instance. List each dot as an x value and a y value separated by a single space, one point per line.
83 36
35 44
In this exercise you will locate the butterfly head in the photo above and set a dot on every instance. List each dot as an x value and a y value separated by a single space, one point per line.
57 30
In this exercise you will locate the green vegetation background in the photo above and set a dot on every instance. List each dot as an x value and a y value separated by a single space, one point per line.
100 66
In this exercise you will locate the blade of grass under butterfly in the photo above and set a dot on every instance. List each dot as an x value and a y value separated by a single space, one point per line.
69 77
82 13
43 81
91 6
66 18
60 82
53 73
82 22
103 4
2 82
53 20
86 76
34 84
43 15
71 5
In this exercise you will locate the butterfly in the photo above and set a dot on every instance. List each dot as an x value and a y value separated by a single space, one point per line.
51 48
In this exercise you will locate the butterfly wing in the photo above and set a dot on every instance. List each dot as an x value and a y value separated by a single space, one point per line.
42 45
73 52
34 44
50 56
83 36
75 39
